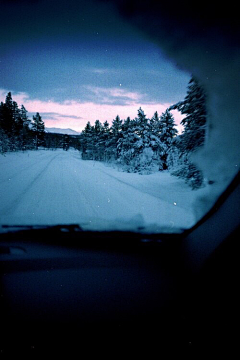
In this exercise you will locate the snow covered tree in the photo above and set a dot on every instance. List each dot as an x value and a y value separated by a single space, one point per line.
144 145
147 144
98 151
115 134
194 107
126 144
106 140
168 132
38 128
140 129
87 142
156 144
156 125
193 137
116 126
137 144
23 113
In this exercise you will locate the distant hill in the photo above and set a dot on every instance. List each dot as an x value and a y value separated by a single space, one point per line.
61 131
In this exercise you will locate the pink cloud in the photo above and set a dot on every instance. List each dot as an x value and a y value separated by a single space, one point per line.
108 94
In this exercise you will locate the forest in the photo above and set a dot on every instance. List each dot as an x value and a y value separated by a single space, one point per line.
18 132
144 145
141 145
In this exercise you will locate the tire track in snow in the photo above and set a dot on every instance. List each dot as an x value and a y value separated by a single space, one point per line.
17 172
86 198
10 207
74 184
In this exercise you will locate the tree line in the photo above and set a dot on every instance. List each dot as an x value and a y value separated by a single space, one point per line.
18 132
144 145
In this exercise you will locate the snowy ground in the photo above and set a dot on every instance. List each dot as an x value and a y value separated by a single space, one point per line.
57 187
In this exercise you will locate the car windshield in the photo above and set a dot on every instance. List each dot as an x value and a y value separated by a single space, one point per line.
98 128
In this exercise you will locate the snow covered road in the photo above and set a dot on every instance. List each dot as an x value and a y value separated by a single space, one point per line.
57 187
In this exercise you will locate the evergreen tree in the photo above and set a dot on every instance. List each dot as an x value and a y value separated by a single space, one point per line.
141 145
38 128
136 144
25 134
17 117
98 150
126 143
14 126
194 107
140 129
156 144
7 115
106 140
87 142
168 132
23 113
141 125
116 126
193 137
156 125
115 134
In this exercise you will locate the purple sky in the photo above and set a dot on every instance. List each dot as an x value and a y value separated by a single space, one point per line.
78 61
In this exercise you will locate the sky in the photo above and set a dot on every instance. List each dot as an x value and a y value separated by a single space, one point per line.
78 61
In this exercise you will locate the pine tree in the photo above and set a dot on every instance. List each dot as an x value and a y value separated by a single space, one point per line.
8 124
193 137
86 140
14 126
126 143
38 128
168 132
25 134
115 134
156 145
23 113
141 123
155 124
194 107
105 140
142 152
98 151
18 124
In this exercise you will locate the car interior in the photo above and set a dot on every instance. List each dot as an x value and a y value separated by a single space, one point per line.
65 291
